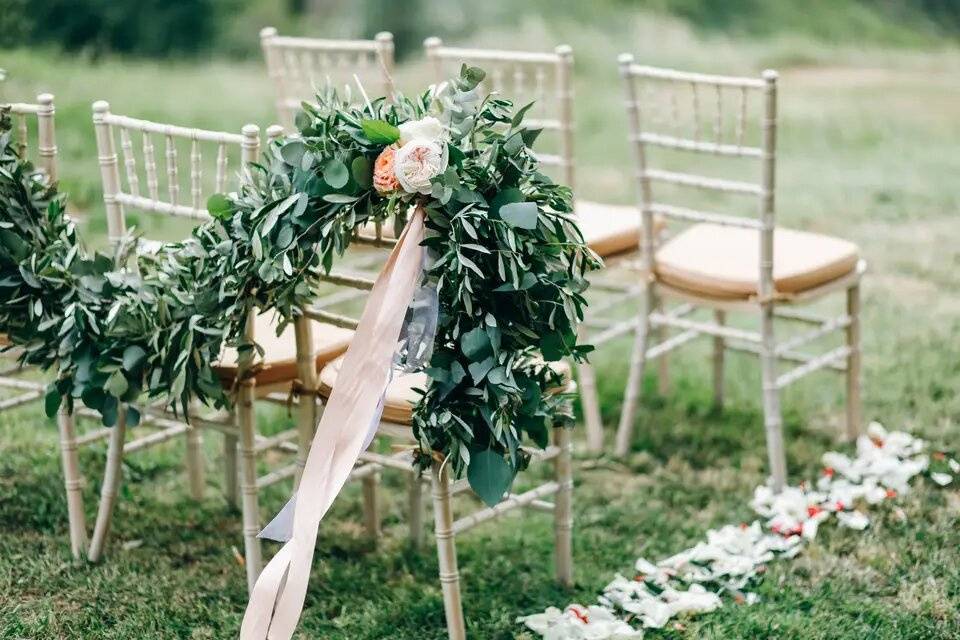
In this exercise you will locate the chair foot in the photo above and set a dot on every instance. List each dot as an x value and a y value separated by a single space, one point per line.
371 506
634 388
719 348
246 424
231 478
563 507
73 482
447 554
591 407
772 418
194 463
854 406
112 473
417 511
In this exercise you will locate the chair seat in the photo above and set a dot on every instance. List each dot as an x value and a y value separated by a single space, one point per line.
401 398
609 229
279 360
724 262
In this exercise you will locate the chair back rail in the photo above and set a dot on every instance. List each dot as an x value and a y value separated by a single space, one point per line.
298 66
717 130
46 146
163 193
523 76
116 196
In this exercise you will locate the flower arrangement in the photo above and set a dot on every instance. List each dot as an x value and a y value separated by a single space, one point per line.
505 257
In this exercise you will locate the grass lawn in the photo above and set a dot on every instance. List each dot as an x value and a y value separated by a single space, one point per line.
868 151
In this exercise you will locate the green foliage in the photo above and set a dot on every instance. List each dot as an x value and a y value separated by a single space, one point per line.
114 327
505 257
890 21
141 27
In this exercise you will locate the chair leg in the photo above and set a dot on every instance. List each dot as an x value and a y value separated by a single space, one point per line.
112 473
773 422
563 507
719 348
417 512
591 407
663 362
72 482
371 506
854 415
231 479
194 463
447 553
638 361
246 423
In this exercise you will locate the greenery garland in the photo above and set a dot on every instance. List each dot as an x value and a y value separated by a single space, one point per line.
505 256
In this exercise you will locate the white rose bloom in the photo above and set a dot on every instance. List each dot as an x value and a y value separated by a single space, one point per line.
428 128
417 161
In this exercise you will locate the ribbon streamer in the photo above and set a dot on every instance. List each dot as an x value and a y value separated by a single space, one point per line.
355 403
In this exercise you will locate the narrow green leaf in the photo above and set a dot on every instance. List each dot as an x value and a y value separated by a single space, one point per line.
380 131
339 198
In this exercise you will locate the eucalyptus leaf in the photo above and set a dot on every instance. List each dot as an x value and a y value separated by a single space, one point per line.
362 171
490 476
335 174
292 152
520 214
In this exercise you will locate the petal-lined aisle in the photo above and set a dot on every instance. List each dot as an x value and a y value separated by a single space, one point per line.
733 559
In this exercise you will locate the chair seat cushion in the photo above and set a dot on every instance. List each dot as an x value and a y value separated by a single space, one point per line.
279 360
401 396
608 229
724 262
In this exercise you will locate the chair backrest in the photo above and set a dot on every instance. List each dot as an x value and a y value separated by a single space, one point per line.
46 147
524 76
298 66
161 192
667 111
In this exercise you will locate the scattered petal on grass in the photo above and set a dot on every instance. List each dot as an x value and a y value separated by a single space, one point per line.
853 520
734 557
942 479
580 623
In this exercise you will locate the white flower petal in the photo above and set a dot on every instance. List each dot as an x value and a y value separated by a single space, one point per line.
942 479
853 520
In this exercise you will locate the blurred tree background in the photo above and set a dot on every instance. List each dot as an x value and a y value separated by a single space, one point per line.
160 28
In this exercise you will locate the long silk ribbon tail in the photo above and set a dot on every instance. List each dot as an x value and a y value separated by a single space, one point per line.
278 596
280 529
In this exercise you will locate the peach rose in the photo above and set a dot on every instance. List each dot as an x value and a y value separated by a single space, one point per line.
384 177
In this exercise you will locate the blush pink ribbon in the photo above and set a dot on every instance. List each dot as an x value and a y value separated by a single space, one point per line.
276 601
